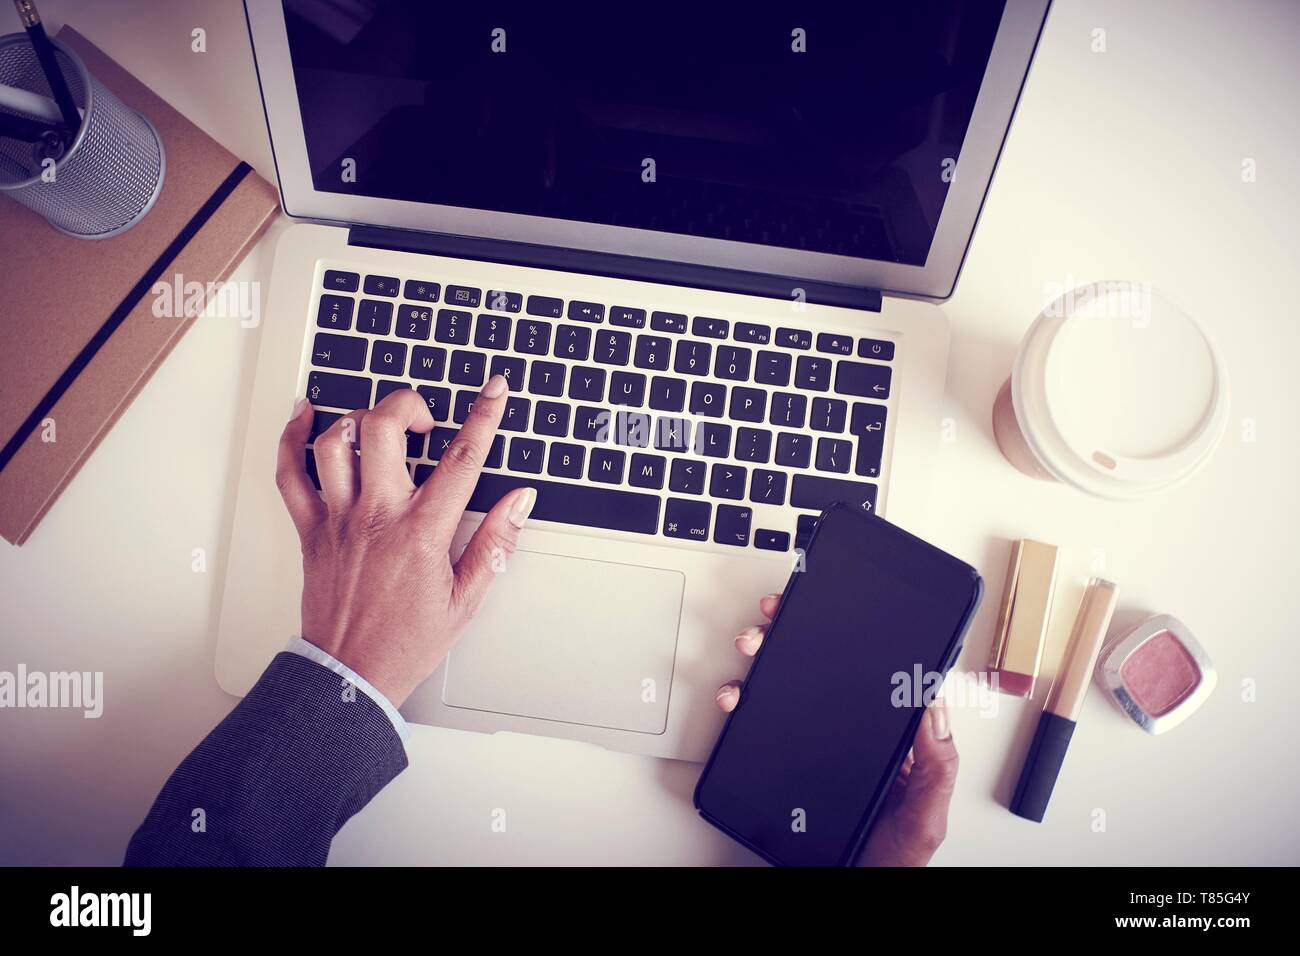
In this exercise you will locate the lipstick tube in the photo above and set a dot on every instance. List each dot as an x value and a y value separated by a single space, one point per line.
1061 712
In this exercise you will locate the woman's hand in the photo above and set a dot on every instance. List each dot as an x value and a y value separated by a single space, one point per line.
914 819
380 592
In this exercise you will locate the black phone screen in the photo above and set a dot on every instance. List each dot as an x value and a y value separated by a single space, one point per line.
834 696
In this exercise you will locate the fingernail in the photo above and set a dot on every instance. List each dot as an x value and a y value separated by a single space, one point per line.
495 387
727 696
939 720
298 407
772 597
523 507
749 637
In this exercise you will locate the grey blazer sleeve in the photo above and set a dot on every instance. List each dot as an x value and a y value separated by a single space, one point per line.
276 779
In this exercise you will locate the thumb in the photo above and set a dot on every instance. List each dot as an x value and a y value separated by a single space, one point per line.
922 814
492 542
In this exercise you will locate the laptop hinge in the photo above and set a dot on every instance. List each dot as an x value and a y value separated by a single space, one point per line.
616 266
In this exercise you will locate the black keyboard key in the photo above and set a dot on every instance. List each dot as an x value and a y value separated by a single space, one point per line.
868 423
462 296
526 455
627 388
515 417
321 422
835 343
499 301
586 312
310 465
453 327
708 398
592 424
388 358
772 368
877 349
687 519
628 318
732 525
728 481
613 347
770 540
414 445
867 381
687 476
335 313
587 384
611 508
632 429
496 452
551 419
672 434
788 410
754 334
748 404
438 399
713 440
384 388
767 487
421 290
439 440
667 322
422 474
339 351
667 394
753 444
647 471
793 451
828 414
733 363
464 405
815 492
565 460
466 368
374 317
812 373
546 378
803 531
545 306
414 322
707 328
834 454
382 285
337 281
338 391
652 352
572 342
509 368
794 339
533 338
428 362
492 331
692 358
606 465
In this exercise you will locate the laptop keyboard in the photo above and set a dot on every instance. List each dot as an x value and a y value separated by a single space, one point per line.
649 422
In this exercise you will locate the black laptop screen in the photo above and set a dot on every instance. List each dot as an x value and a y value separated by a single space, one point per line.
827 131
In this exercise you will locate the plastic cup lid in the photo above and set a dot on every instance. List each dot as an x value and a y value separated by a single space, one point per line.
1118 391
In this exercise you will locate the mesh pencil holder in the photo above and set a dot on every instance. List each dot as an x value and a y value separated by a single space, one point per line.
111 174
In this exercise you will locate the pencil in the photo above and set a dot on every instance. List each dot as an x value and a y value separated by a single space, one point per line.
49 63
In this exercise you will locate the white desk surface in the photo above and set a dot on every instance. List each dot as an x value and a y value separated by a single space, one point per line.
1123 164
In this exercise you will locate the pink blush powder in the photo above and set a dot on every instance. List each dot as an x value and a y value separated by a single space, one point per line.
1160 673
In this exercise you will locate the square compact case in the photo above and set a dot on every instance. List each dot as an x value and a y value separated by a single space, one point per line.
1157 673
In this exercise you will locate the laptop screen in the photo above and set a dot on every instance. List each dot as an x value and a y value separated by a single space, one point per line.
834 132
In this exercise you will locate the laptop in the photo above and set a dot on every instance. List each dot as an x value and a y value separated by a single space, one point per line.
706 252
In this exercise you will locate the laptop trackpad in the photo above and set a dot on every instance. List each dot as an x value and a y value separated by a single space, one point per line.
571 639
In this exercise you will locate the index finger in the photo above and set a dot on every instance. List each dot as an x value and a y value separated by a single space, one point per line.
447 492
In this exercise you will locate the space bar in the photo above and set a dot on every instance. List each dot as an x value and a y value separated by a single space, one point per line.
574 504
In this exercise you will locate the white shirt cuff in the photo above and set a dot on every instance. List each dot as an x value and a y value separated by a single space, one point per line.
313 653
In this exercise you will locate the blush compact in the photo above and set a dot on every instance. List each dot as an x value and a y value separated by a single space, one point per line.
1157 673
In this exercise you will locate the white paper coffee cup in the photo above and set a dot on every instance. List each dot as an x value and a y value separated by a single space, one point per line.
1115 390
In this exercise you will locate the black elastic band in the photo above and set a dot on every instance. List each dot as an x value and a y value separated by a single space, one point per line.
118 315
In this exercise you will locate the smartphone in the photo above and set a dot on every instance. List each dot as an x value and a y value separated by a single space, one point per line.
865 631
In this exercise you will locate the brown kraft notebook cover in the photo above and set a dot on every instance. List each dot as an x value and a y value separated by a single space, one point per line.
80 337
